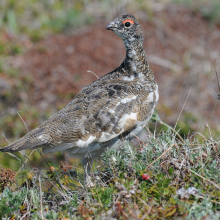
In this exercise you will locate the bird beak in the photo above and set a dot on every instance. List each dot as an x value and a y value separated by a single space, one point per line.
110 26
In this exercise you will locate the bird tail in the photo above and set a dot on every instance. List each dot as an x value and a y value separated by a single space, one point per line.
29 141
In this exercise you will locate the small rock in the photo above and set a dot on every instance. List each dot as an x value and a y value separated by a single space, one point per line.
123 192
121 187
132 191
135 182
117 184
185 193
128 196
70 49
114 159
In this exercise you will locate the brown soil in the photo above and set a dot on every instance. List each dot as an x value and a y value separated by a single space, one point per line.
181 48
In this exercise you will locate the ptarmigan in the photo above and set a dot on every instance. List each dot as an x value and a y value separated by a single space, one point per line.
106 112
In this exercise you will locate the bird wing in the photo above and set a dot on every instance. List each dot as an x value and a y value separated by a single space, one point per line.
96 115
100 112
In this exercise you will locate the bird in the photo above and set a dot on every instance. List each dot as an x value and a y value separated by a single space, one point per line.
105 113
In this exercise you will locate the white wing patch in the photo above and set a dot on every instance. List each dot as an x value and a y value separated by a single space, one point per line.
41 137
128 99
157 94
106 136
111 111
123 120
134 68
128 78
81 143
141 76
125 100
150 97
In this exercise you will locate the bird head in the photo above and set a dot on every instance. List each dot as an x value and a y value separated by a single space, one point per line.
126 27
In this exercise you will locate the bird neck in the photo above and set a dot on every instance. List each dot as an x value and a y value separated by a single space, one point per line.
135 60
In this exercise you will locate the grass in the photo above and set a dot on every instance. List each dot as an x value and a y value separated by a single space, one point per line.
182 183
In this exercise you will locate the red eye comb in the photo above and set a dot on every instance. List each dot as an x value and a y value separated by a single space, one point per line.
128 20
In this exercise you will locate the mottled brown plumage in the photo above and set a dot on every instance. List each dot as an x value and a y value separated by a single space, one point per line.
107 111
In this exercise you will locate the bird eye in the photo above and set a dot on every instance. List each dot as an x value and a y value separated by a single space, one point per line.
127 24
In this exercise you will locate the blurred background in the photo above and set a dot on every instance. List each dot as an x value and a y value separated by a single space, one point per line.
48 46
